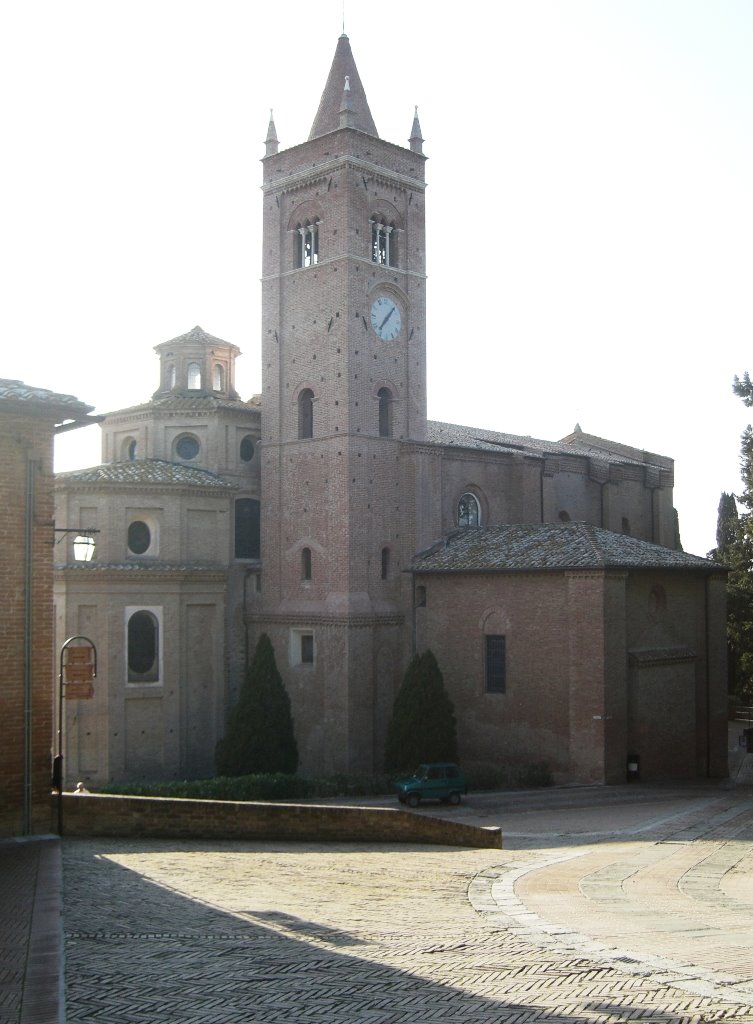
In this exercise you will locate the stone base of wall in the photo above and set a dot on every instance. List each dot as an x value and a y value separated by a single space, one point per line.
161 817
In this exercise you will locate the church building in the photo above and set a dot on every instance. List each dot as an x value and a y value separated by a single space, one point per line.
331 514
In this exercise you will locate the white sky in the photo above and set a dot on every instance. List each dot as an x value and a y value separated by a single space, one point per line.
590 213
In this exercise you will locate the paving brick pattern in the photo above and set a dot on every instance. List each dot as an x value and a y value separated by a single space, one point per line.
649 920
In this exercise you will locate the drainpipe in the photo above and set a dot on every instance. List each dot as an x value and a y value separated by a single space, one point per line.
31 468
708 676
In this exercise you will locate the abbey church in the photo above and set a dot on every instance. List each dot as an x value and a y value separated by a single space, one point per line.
331 514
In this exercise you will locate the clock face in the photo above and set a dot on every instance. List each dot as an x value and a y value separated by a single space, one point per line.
385 318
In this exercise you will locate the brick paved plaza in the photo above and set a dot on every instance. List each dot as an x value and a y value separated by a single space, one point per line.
609 905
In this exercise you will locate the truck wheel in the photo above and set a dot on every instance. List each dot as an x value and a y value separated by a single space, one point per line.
454 798
413 799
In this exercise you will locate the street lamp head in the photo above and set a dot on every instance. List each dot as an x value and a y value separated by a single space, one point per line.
83 547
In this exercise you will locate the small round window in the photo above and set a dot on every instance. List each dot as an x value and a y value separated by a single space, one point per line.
139 537
247 448
187 447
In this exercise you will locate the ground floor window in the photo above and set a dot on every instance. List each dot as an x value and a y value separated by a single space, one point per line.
143 645
301 648
495 664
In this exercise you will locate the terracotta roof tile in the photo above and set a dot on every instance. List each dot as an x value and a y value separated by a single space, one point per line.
556 546
146 471
454 434
17 391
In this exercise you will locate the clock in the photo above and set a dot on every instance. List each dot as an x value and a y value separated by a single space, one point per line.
385 318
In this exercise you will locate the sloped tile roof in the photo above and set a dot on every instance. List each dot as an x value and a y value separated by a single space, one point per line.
550 546
143 568
328 115
17 391
196 334
454 434
146 471
188 403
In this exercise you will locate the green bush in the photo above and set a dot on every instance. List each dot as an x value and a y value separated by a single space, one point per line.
259 737
534 776
275 786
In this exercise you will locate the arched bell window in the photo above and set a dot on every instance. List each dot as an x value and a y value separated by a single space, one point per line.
307 244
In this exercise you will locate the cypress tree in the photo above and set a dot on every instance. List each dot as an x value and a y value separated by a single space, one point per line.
422 727
259 737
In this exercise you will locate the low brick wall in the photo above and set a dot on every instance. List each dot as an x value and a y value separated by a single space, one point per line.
140 816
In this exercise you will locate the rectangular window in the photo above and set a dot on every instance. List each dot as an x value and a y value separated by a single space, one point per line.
495 664
301 649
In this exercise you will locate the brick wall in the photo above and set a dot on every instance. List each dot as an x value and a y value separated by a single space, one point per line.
105 815
26 441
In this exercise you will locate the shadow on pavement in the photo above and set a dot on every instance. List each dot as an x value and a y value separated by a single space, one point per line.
138 951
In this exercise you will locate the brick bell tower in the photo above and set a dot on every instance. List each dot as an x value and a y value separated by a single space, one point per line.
343 415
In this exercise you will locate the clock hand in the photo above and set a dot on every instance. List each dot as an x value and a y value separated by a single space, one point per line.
387 317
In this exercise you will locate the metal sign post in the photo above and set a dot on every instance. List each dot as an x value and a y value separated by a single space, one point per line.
78 667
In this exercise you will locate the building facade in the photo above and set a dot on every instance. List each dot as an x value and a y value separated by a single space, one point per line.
303 514
30 417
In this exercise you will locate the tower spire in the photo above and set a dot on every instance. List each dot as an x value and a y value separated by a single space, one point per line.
416 139
271 142
328 117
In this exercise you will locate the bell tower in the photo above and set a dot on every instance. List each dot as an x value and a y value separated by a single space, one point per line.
343 412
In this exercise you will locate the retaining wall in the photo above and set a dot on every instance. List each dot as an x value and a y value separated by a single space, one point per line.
162 817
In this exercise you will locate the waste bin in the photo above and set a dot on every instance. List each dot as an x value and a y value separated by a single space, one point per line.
633 767
748 734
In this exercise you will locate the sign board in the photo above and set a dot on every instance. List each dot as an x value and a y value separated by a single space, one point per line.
78 672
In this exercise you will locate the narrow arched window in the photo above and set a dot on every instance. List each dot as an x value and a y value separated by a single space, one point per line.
385 412
469 512
218 381
306 564
247 528
194 377
385 563
171 376
143 648
306 413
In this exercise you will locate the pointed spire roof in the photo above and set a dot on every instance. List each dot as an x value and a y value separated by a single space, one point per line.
416 138
328 115
271 141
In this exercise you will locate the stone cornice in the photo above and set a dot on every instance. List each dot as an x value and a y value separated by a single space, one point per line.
95 573
313 175
339 259
298 620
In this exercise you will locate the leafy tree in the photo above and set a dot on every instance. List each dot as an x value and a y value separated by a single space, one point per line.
260 737
422 727
734 547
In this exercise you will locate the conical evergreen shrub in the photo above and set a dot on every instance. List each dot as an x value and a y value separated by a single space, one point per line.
422 727
260 736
